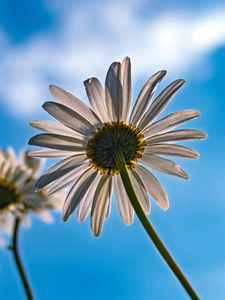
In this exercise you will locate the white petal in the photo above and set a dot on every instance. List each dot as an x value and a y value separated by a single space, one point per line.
5 166
96 96
145 96
59 142
126 88
79 158
22 177
32 200
28 187
163 165
84 207
12 173
169 122
75 104
34 164
176 135
6 223
108 209
141 191
67 179
49 177
26 220
123 202
113 92
56 201
100 204
69 118
53 153
160 102
77 192
45 216
172 150
57 128
8 154
153 187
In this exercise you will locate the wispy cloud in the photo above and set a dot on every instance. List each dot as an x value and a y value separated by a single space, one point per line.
88 38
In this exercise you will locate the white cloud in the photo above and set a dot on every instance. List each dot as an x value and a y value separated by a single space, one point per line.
90 37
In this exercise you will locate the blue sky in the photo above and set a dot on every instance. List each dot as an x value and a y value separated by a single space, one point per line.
65 43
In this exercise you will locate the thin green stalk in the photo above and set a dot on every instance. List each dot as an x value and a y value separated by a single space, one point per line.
19 265
121 164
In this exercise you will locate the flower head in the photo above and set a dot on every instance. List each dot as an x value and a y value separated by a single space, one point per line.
17 196
88 138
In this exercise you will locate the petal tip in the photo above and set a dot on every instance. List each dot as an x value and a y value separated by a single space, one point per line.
47 104
166 206
96 233
80 218
161 74
65 217
184 175
196 155
29 153
115 64
52 87
126 58
179 83
128 222
204 135
86 81
30 142
31 123
44 105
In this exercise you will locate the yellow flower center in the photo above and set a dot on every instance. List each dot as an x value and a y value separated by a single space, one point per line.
112 137
8 193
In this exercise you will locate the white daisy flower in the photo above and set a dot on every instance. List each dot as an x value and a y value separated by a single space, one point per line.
87 138
17 196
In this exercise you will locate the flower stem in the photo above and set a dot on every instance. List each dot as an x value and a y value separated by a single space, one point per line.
19 265
121 164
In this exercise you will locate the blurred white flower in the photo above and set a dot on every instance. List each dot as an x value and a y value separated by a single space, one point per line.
17 196
88 138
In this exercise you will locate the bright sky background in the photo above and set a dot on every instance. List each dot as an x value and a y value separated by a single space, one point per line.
65 42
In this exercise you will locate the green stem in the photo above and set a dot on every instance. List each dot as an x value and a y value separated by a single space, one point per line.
19 265
121 164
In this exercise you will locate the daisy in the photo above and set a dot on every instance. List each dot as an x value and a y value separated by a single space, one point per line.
88 139
17 180
17 199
